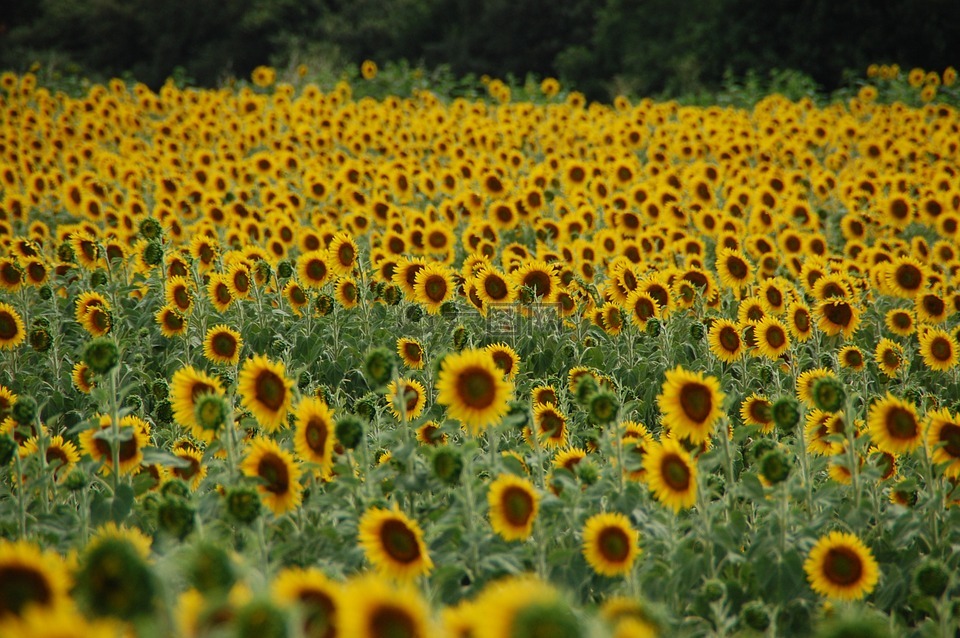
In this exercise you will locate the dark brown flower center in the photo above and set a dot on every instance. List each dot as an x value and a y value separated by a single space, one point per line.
842 566
399 541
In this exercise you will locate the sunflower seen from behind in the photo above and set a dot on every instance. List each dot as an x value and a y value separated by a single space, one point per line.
841 567
473 388
277 473
610 544
691 404
393 544
265 391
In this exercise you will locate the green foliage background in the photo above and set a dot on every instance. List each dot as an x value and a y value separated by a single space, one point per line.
642 47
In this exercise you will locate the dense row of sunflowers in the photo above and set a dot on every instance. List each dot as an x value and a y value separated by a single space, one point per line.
279 360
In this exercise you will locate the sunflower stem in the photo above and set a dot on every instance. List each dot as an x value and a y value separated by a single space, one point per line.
231 443
115 429
21 504
805 470
469 508
849 425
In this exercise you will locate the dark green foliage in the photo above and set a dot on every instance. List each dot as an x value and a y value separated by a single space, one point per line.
638 47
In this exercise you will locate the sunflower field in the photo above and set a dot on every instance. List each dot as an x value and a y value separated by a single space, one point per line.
288 359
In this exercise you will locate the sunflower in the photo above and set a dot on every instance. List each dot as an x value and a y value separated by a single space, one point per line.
837 316
799 321
543 394
851 357
538 278
12 331
194 471
278 474
60 455
131 446
61 621
894 425
900 322
30 578
938 349
513 506
725 341
756 410
381 609
177 294
83 377
430 434
186 387
906 277
265 391
889 356
524 607
312 268
610 544
222 345
393 544
506 359
171 321
218 292
805 381
943 440
733 268
86 301
296 297
493 287
550 425
772 337
406 398
818 427
411 352
433 285
346 292
841 567
315 433
636 440
690 404
473 388
238 280
319 599
641 307
343 254
405 275
751 310
671 474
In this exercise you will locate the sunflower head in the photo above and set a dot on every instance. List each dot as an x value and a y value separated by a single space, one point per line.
393 543
101 355
378 366
114 580
841 567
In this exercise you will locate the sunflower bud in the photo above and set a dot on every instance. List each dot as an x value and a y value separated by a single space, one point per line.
24 410
40 339
46 292
153 253
175 516
547 618
98 278
653 327
775 466
587 472
931 578
101 355
855 623
697 331
786 413
65 253
754 615
349 431
284 270
378 367
261 619
159 388
115 581
175 487
323 305
449 310
8 446
603 406
243 504
164 411
76 480
210 570
586 387
828 394
448 465
150 228
366 407
414 313
460 335
391 295
211 411
713 590
761 447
